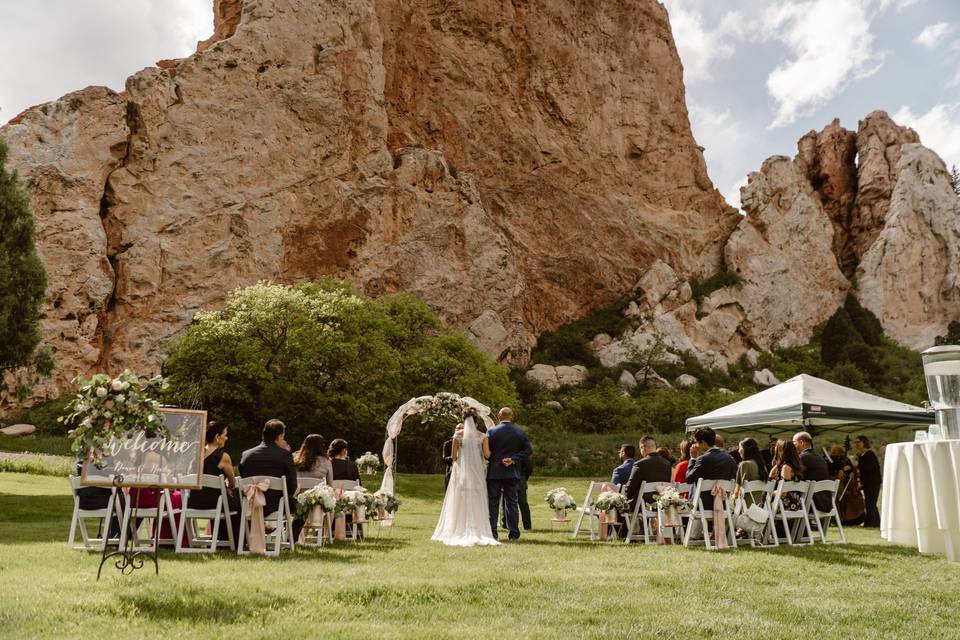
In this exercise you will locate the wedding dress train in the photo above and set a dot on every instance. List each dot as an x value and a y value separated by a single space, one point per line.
464 518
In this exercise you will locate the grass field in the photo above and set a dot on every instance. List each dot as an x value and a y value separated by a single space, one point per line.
401 585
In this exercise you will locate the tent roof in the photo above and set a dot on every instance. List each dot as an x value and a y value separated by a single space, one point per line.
814 404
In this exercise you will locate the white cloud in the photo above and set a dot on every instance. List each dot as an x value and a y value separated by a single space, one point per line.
899 5
933 35
699 46
939 129
54 47
831 46
725 147
732 195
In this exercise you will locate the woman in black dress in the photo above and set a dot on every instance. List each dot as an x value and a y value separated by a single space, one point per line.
343 467
870 479
216 462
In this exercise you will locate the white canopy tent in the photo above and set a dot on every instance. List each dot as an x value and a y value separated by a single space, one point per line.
815 405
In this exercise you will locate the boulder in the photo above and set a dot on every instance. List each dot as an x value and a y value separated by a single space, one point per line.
19 430
651 379
752 357
725 391
765 378
627 381
600 341
569 376
544 375
553 404
686 380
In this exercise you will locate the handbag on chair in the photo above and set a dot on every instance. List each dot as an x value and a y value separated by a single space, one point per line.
752 520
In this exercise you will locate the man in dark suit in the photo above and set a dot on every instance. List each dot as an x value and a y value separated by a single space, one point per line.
447 453
272 457
526 470
622 473
814 468
768 452
652 467
509 447
713 464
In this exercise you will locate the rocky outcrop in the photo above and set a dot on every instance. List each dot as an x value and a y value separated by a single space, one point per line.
553 378
910 276
514 166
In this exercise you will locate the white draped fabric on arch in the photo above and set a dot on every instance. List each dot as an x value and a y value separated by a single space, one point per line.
416 406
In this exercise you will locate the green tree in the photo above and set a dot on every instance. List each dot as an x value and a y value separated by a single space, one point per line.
322 358
952 336
839 334
867 324
22 284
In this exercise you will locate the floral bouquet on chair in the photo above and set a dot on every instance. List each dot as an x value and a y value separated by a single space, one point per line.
320 497
669 503
385 503
368 463
611 501
354 501
559 500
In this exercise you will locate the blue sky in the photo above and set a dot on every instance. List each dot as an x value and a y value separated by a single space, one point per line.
759 73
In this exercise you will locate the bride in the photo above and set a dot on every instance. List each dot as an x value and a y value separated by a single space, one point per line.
464 518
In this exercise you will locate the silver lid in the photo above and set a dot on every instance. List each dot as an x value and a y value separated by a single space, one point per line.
944 348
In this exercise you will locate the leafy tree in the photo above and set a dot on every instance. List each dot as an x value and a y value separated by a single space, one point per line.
867 324
838 335
953 333
322 358
22 284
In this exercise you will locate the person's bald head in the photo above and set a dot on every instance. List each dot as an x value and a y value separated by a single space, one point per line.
505 414
802 441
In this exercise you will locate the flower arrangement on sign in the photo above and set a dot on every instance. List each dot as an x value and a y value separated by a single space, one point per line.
611 501
559 499
322 496
669 498
353 499
106 408
443 407
385 502
368 463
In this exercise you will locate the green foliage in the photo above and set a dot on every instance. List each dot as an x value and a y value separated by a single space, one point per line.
22 284
570 344
863 320
703 288
953 333
839 335
44 416
37 465
322 358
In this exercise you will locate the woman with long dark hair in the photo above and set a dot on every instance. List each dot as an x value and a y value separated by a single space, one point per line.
787 466
752 467
688 451
343 467
312 460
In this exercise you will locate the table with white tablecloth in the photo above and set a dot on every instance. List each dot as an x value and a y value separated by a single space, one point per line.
921 496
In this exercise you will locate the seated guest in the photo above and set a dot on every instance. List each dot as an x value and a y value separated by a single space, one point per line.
751 468
666 455
688 450
343 467
713 464
652 467
95 498
216 462
272 458
312 460
622 473
787 466
814 468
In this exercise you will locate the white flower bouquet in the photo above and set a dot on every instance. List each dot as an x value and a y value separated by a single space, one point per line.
368 463
386 501
353 499
669 497
322 496
559 500
611 501
106 408
443 407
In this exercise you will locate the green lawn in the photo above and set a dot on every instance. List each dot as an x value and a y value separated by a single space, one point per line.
401 585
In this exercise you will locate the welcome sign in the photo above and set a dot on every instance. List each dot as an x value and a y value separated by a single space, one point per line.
161 462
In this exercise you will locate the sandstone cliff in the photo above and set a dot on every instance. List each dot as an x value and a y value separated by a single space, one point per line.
513 163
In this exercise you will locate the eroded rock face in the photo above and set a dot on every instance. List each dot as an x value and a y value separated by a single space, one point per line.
514 166
910 276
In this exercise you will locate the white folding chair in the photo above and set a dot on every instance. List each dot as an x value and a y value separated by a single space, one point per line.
792 519
80 516
822 518
152 516
767 489
189 517
314 536
643 514
703 516
281 519
587 510
348 485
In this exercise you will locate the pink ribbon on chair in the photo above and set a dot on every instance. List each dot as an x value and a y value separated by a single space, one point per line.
719 517
255 495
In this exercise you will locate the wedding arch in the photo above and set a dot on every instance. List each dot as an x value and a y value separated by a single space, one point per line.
442 404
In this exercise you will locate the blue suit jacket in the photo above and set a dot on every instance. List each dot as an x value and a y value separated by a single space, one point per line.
714 464
622 473
507 440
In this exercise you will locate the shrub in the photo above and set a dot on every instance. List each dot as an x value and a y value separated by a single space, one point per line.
570 343
953 333
863 320
839 335
322 358
703 288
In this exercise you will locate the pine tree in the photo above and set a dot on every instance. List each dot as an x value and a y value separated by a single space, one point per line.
22 284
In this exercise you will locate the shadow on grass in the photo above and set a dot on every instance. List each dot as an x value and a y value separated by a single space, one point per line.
191 604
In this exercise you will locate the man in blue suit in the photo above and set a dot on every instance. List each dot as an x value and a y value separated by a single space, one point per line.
713 464
622 473
509 449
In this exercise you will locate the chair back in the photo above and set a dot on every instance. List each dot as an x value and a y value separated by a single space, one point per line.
682 487
793 485
276 484
309 482
824 485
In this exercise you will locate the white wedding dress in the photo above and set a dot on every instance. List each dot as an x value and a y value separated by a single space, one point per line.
465 517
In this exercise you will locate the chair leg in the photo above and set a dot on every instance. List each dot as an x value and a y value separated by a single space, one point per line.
646 527
73 524
731 529
243 527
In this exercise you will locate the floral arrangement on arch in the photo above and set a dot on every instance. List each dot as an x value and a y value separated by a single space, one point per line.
368 463
353 499
611 501
669 498
386 501
443 407
559 499
106 408
322 496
